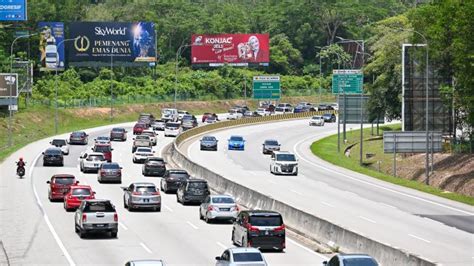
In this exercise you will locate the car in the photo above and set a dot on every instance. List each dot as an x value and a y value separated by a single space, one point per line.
236 143
53 156
270 145
62 144
182 113
284 163
154 166
241 109
261 229
283 105
109 172
218 207
188 122
241 256
169 114
351 259
138 128
205 116
146 119
59 186
208 143
192 191
172 180
152 135
334 106
91 161
302 109
324 107
96 215
283 110
328 117
141 195
76 195
316 120
79 137
145 263
263 111
105 149
118 133
141 154
102 140
211 120
141 141
305 104
158 125
234 114
173 129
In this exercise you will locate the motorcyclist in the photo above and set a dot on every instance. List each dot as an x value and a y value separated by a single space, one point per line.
20 164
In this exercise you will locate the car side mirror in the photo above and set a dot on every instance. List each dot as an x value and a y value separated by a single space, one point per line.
42 153
133 138
95 139
50 142
121 168
77 182
48 182
111 149
325 263
218 258
124 188
279 145
93 192
92 148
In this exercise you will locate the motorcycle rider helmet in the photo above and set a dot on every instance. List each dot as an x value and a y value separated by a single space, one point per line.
21 159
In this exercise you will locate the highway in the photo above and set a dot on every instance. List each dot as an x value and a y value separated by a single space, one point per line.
36 231
435 228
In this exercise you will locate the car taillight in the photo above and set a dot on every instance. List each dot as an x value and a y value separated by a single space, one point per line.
136 193
84 218
279 228
157 193
115 217
252 228
236 208
210 208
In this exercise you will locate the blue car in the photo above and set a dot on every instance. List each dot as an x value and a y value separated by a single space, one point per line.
236 143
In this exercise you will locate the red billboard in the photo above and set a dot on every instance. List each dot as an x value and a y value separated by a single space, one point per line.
232 49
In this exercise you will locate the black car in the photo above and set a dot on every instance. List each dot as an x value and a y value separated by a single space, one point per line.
192 191
53 156
154 166
259 229
79 137
351 259
329 117
118 133
110 172
172 179
209 143
270 145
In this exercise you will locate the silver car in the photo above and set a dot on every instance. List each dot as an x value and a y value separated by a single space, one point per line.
141 195
62 144
241 256
351 259
216 207
270 145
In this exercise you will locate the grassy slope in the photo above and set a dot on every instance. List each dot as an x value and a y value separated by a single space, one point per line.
327 150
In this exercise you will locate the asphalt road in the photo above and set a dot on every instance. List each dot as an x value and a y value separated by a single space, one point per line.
435 228
36 231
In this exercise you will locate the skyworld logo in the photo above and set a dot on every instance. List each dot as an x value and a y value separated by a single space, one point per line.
110 31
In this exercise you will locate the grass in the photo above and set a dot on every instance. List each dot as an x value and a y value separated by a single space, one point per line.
326 149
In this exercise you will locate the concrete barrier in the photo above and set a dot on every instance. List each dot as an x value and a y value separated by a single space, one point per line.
306 224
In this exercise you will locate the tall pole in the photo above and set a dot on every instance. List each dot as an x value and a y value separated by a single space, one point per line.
320 75
427 173
111 85
178 54
56 123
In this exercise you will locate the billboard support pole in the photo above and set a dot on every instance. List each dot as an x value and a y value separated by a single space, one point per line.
111 85
394 155
178 54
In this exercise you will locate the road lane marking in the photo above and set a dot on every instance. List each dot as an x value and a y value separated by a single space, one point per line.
417 237
272 182
145 248
192 225
328 204
369 183
221 245
123 226
168 208
307 249
45 216
367 219
390 206
296 192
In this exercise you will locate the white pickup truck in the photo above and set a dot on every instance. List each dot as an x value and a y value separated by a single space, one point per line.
96 215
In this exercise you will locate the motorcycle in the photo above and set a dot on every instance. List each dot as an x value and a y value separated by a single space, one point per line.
20 171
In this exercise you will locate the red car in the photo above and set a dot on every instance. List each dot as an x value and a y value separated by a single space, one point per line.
76 195
205 116
138 128
105 149
59 186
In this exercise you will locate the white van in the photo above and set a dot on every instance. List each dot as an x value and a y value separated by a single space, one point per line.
173 129
169 114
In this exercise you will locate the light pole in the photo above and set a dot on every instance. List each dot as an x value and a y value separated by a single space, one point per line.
111 84
10 130
178 54
56 90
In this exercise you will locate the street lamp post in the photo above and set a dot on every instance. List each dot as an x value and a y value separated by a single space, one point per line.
178 54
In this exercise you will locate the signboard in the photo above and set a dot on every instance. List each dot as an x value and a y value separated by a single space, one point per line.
266 87
120 42
352 110
232 49
13 10
348 81
7 101
13 107
411 142
8 82
51 45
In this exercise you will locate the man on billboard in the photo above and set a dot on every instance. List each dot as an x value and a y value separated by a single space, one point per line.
143 45
257 54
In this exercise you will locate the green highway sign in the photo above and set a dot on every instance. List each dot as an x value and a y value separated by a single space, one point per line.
266 87
349 81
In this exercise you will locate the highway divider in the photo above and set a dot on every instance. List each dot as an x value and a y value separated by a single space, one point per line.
303 223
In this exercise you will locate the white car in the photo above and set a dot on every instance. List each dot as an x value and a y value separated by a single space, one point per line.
284 163
169 114
62 144
263 112
334 106
91 161
181 113
234 114
102 140
141 154
316 121
218 207
241 256
173 129
152 135
283 110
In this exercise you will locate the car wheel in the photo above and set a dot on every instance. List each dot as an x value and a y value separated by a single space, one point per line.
129 206
177 198
206 218
76 228
232 238
113 234
161 186
158 209
200 215
82 233
165 189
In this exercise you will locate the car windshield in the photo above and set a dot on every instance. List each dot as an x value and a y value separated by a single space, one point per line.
53 152
211 118
235 138
208 138
316 117
187 117
64 180
286 157
81 192
172 125
359 262
223 200
166 111
200 185
103 206
102 148
118 130
179 175
271 142
95 158
266 220
110 166
248 257
145 189
327 115
58 142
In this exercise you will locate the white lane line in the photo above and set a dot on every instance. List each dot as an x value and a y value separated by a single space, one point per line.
371 184
272 182
367 219
221 245
419 238
296 192
123 226
168 208
327 204
192 225
388 205
307 249
145 248
46 218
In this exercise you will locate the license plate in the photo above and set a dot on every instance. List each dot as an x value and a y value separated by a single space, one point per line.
99 225
96 165
225 209
146 200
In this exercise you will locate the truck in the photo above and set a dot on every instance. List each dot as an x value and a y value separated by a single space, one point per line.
169 114
96 215
141 141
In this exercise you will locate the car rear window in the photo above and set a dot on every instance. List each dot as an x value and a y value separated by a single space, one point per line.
58 142
118 130
64 180
102 149
173 125
99 207
81 192
77 134
223 200
247 257
144 189
271 142
110 166
359 262
199 185
53 152
266 220
95 158
143 150
179 175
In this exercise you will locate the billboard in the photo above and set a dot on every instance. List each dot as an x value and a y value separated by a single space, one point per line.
411 141
51 45
232 49
119 42
8 81
13 10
